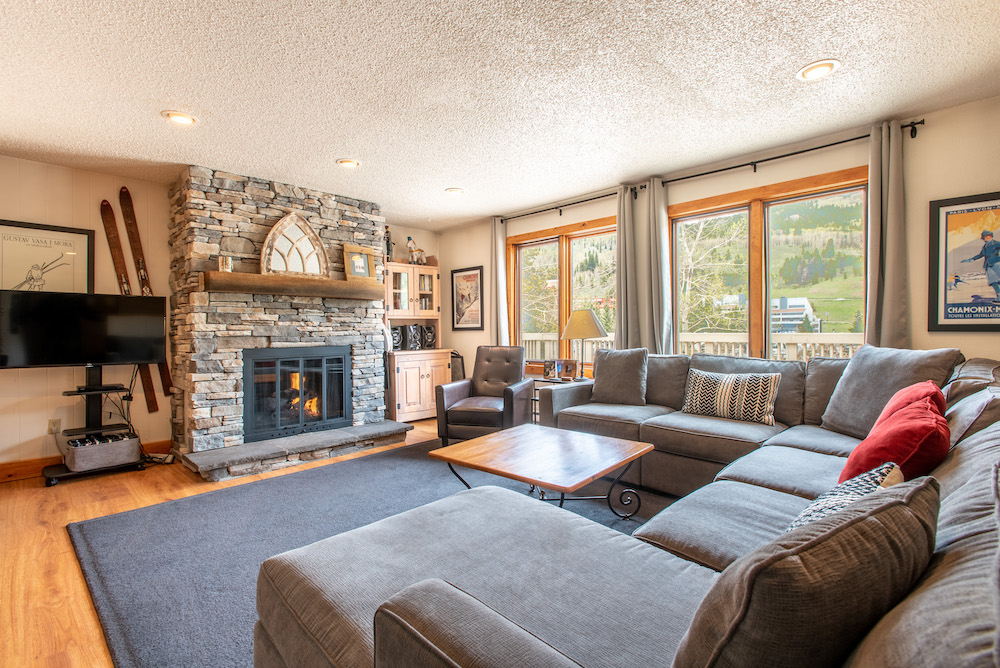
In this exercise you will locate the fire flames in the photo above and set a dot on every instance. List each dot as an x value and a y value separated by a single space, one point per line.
311 406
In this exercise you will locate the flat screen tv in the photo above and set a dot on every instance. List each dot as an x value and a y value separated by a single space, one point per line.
73 329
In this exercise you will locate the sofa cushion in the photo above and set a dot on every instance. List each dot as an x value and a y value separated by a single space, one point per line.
822 376
847 492
433 623
970 377
318 602
951 616
916 437
479 411
720 522
967 458
973 413
666 379
788 402
609 419
808 597
815 439
875 374
910 395
496 368
620 376
748 397
704 437
790 470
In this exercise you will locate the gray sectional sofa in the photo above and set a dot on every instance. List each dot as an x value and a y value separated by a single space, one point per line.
905 577
690 449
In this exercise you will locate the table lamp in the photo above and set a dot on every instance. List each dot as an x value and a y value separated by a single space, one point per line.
583 324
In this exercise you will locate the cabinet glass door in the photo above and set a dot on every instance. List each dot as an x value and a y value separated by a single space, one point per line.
400 299
427 292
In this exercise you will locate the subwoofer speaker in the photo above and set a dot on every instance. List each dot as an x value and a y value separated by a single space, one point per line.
412 338
428 337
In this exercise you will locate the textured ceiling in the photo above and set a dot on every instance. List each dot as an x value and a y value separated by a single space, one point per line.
520 103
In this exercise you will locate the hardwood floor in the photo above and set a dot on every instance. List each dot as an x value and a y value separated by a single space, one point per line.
46 615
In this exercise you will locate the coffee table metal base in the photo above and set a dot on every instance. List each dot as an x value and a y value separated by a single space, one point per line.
626 497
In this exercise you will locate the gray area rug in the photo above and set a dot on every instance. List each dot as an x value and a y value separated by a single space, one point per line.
174 584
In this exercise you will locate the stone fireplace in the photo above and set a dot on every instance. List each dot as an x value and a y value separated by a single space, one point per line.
217 214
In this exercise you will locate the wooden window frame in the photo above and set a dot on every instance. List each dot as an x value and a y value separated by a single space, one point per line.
563 235
755 199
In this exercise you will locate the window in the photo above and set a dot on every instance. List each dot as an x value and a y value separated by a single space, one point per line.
773 272
554 272
712 277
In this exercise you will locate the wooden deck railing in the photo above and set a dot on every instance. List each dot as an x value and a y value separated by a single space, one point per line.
786 346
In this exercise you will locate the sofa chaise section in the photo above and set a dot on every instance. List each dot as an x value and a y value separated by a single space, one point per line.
577 585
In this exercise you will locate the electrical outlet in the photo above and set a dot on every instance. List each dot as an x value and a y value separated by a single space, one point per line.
55 425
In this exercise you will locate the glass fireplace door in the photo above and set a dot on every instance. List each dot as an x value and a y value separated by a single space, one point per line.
290 391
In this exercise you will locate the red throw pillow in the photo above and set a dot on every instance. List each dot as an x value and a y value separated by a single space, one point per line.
911 394
915 437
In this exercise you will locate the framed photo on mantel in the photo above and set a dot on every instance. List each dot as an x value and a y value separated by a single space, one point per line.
964 289
359 263
46 258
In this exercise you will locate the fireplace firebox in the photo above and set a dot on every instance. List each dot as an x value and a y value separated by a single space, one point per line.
288 391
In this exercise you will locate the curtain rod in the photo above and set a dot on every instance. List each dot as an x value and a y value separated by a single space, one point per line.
560 207
913 133
911 125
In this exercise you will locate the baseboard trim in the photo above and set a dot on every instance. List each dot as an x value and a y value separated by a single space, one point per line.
32 468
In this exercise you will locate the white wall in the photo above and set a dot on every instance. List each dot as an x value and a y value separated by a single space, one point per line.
470 247
462 248
34 192
956 153
428 241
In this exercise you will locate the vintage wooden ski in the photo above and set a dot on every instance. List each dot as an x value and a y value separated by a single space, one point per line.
135 244
121 274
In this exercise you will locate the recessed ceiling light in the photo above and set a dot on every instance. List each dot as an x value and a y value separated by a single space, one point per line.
818 70
454 191
348 163
178 117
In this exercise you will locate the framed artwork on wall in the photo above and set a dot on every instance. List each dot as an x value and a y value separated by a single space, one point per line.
45 258
359 264
467 298
964 288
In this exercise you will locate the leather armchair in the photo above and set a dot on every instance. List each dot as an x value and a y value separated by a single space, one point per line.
496 397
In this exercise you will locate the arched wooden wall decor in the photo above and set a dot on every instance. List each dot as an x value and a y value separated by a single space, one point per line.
293 247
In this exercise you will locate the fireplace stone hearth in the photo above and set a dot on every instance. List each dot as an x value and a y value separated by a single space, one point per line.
221 215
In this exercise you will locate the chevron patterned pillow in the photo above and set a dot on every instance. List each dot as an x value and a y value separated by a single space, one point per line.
748 397
847 492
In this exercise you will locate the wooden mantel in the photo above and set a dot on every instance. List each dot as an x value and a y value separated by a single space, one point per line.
285 284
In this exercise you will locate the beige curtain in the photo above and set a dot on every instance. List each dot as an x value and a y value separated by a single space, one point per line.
498 291
643 298
887 321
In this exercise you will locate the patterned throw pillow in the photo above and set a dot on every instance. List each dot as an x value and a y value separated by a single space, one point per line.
848 492
748 397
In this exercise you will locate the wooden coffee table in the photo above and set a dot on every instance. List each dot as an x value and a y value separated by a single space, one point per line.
547 458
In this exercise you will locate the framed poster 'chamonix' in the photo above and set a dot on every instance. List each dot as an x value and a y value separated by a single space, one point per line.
45 258
964 289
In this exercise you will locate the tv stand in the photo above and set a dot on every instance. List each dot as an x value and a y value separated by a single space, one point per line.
97 389
114 450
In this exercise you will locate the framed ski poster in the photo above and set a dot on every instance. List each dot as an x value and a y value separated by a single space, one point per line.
45 258
964 289
467 298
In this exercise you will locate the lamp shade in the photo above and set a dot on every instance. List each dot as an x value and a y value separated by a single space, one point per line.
583 324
